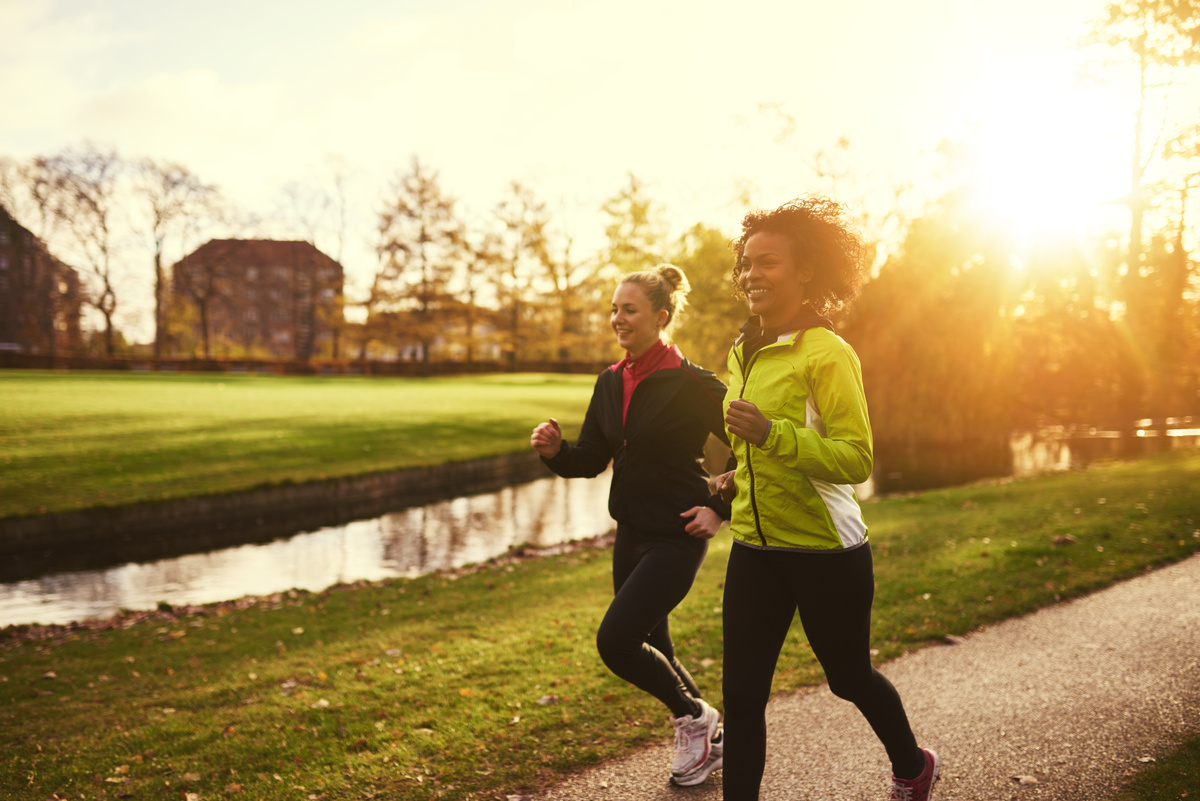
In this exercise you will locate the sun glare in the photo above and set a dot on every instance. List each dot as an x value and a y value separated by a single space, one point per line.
1049 157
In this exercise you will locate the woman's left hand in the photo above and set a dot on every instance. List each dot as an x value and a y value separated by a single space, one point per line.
705 523
746 421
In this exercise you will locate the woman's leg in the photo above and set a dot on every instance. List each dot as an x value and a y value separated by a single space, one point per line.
660 639
650 578
834 594
758 613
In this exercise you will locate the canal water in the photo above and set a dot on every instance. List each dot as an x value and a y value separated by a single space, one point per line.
409 542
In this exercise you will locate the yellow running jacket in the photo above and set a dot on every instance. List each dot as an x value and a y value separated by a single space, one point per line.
793 490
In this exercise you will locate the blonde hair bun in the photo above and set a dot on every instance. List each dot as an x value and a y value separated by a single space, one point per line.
666 286
674 278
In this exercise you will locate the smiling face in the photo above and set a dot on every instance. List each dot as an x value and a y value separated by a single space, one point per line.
771 279
636 323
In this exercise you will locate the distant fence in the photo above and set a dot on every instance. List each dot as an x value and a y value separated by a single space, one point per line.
41 361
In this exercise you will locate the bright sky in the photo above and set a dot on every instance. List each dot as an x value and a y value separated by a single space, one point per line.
566 95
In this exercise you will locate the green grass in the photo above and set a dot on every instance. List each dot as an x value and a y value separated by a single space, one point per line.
1172 777
487 683
79 440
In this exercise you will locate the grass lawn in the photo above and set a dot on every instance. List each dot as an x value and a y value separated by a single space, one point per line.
78 440
486 683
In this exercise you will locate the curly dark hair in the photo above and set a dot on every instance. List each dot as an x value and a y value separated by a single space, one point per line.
821 238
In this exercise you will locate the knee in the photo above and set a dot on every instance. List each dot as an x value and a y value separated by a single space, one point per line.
613 643
850 685
745 700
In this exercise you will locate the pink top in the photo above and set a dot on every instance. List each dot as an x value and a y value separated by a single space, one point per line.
659 356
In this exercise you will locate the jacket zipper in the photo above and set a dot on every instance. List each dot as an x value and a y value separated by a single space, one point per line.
749 464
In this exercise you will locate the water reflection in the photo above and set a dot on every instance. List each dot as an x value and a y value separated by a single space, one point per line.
411 542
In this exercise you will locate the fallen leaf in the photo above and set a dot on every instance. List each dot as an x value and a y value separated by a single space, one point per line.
516 719
1025 779
1146 759
121 770
952 639
191 777
298 630
322 704
49 674
466 692
548 699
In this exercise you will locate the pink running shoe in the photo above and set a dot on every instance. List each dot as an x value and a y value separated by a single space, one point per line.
693 739
920 788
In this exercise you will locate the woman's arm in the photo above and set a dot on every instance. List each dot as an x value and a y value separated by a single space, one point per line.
842 453
591 453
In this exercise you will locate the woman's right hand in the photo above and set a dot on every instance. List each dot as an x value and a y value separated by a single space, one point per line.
547 439
726 487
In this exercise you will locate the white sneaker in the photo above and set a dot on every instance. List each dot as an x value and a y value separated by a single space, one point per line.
693 739
716 757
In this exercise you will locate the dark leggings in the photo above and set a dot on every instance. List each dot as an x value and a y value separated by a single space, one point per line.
833 594
651 575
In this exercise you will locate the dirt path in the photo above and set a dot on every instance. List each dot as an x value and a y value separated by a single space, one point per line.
1075 697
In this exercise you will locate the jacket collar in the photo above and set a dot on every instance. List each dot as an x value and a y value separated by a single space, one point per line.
756 335
659 356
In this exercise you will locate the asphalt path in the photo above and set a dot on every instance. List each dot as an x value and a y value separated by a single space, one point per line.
1065 704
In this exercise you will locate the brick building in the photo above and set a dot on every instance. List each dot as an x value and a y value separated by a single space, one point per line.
257 298
40 301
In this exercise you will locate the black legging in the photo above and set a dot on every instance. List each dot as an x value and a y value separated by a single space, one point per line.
651 575
833 593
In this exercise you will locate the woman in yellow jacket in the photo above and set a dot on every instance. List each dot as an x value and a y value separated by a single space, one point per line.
797 419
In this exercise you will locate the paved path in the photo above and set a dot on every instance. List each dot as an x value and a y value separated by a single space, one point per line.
1074 696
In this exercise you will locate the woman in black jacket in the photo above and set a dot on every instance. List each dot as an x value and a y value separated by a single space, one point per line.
650 415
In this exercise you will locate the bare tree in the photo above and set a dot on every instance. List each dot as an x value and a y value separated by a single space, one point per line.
88 180
525 236
202 277
1154 38
484 263
174 196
